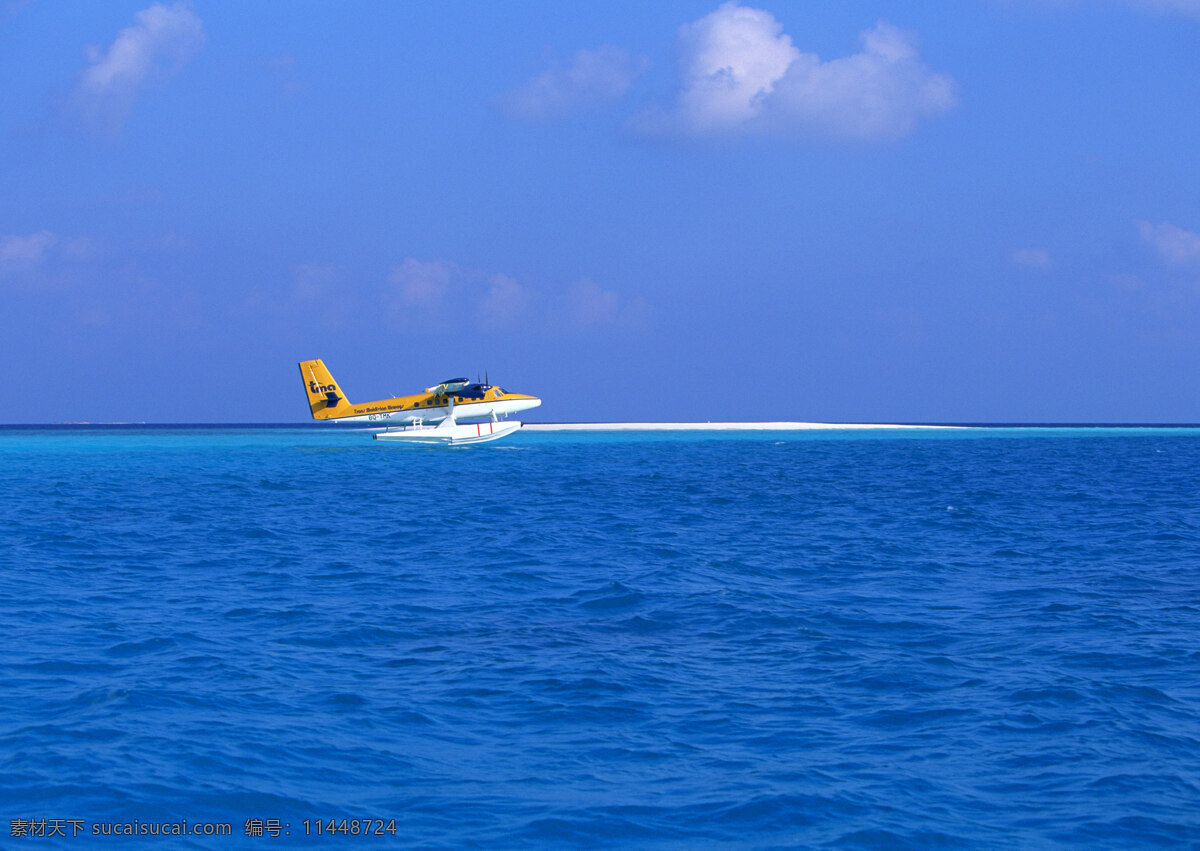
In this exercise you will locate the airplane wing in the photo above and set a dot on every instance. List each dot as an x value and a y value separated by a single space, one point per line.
450 385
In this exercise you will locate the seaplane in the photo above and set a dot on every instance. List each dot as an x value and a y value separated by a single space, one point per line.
454 412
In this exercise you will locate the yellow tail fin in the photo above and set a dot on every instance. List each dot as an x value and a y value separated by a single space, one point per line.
325 399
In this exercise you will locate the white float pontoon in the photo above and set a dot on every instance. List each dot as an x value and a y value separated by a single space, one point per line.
449 432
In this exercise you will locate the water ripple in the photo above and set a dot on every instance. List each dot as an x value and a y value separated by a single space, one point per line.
856 641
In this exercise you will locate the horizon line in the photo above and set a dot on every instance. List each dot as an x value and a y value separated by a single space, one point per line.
777 425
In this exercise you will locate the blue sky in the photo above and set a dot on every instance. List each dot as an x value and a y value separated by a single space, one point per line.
852 211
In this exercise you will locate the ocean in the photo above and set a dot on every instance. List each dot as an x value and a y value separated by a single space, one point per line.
886 639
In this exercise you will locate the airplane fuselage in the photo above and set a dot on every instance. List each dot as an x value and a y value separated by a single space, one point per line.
406 410
470 401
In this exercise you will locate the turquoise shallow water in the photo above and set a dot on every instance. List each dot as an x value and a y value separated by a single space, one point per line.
853 639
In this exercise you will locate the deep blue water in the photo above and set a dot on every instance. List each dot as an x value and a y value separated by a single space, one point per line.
853 639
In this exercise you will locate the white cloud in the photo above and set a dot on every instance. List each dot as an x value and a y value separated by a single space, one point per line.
25 253
1032 258
591 78
730 61
153 49
1172 243
741 74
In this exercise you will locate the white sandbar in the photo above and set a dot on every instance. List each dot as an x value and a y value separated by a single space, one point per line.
711 426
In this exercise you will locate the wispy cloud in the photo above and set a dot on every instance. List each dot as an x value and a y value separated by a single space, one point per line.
309 290
25 253
1173 244
588 305
1032 258
421 285
44 259
435 295
505 302
159 43
313 281
1188 8
281 68
740 74
10 8
590 79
